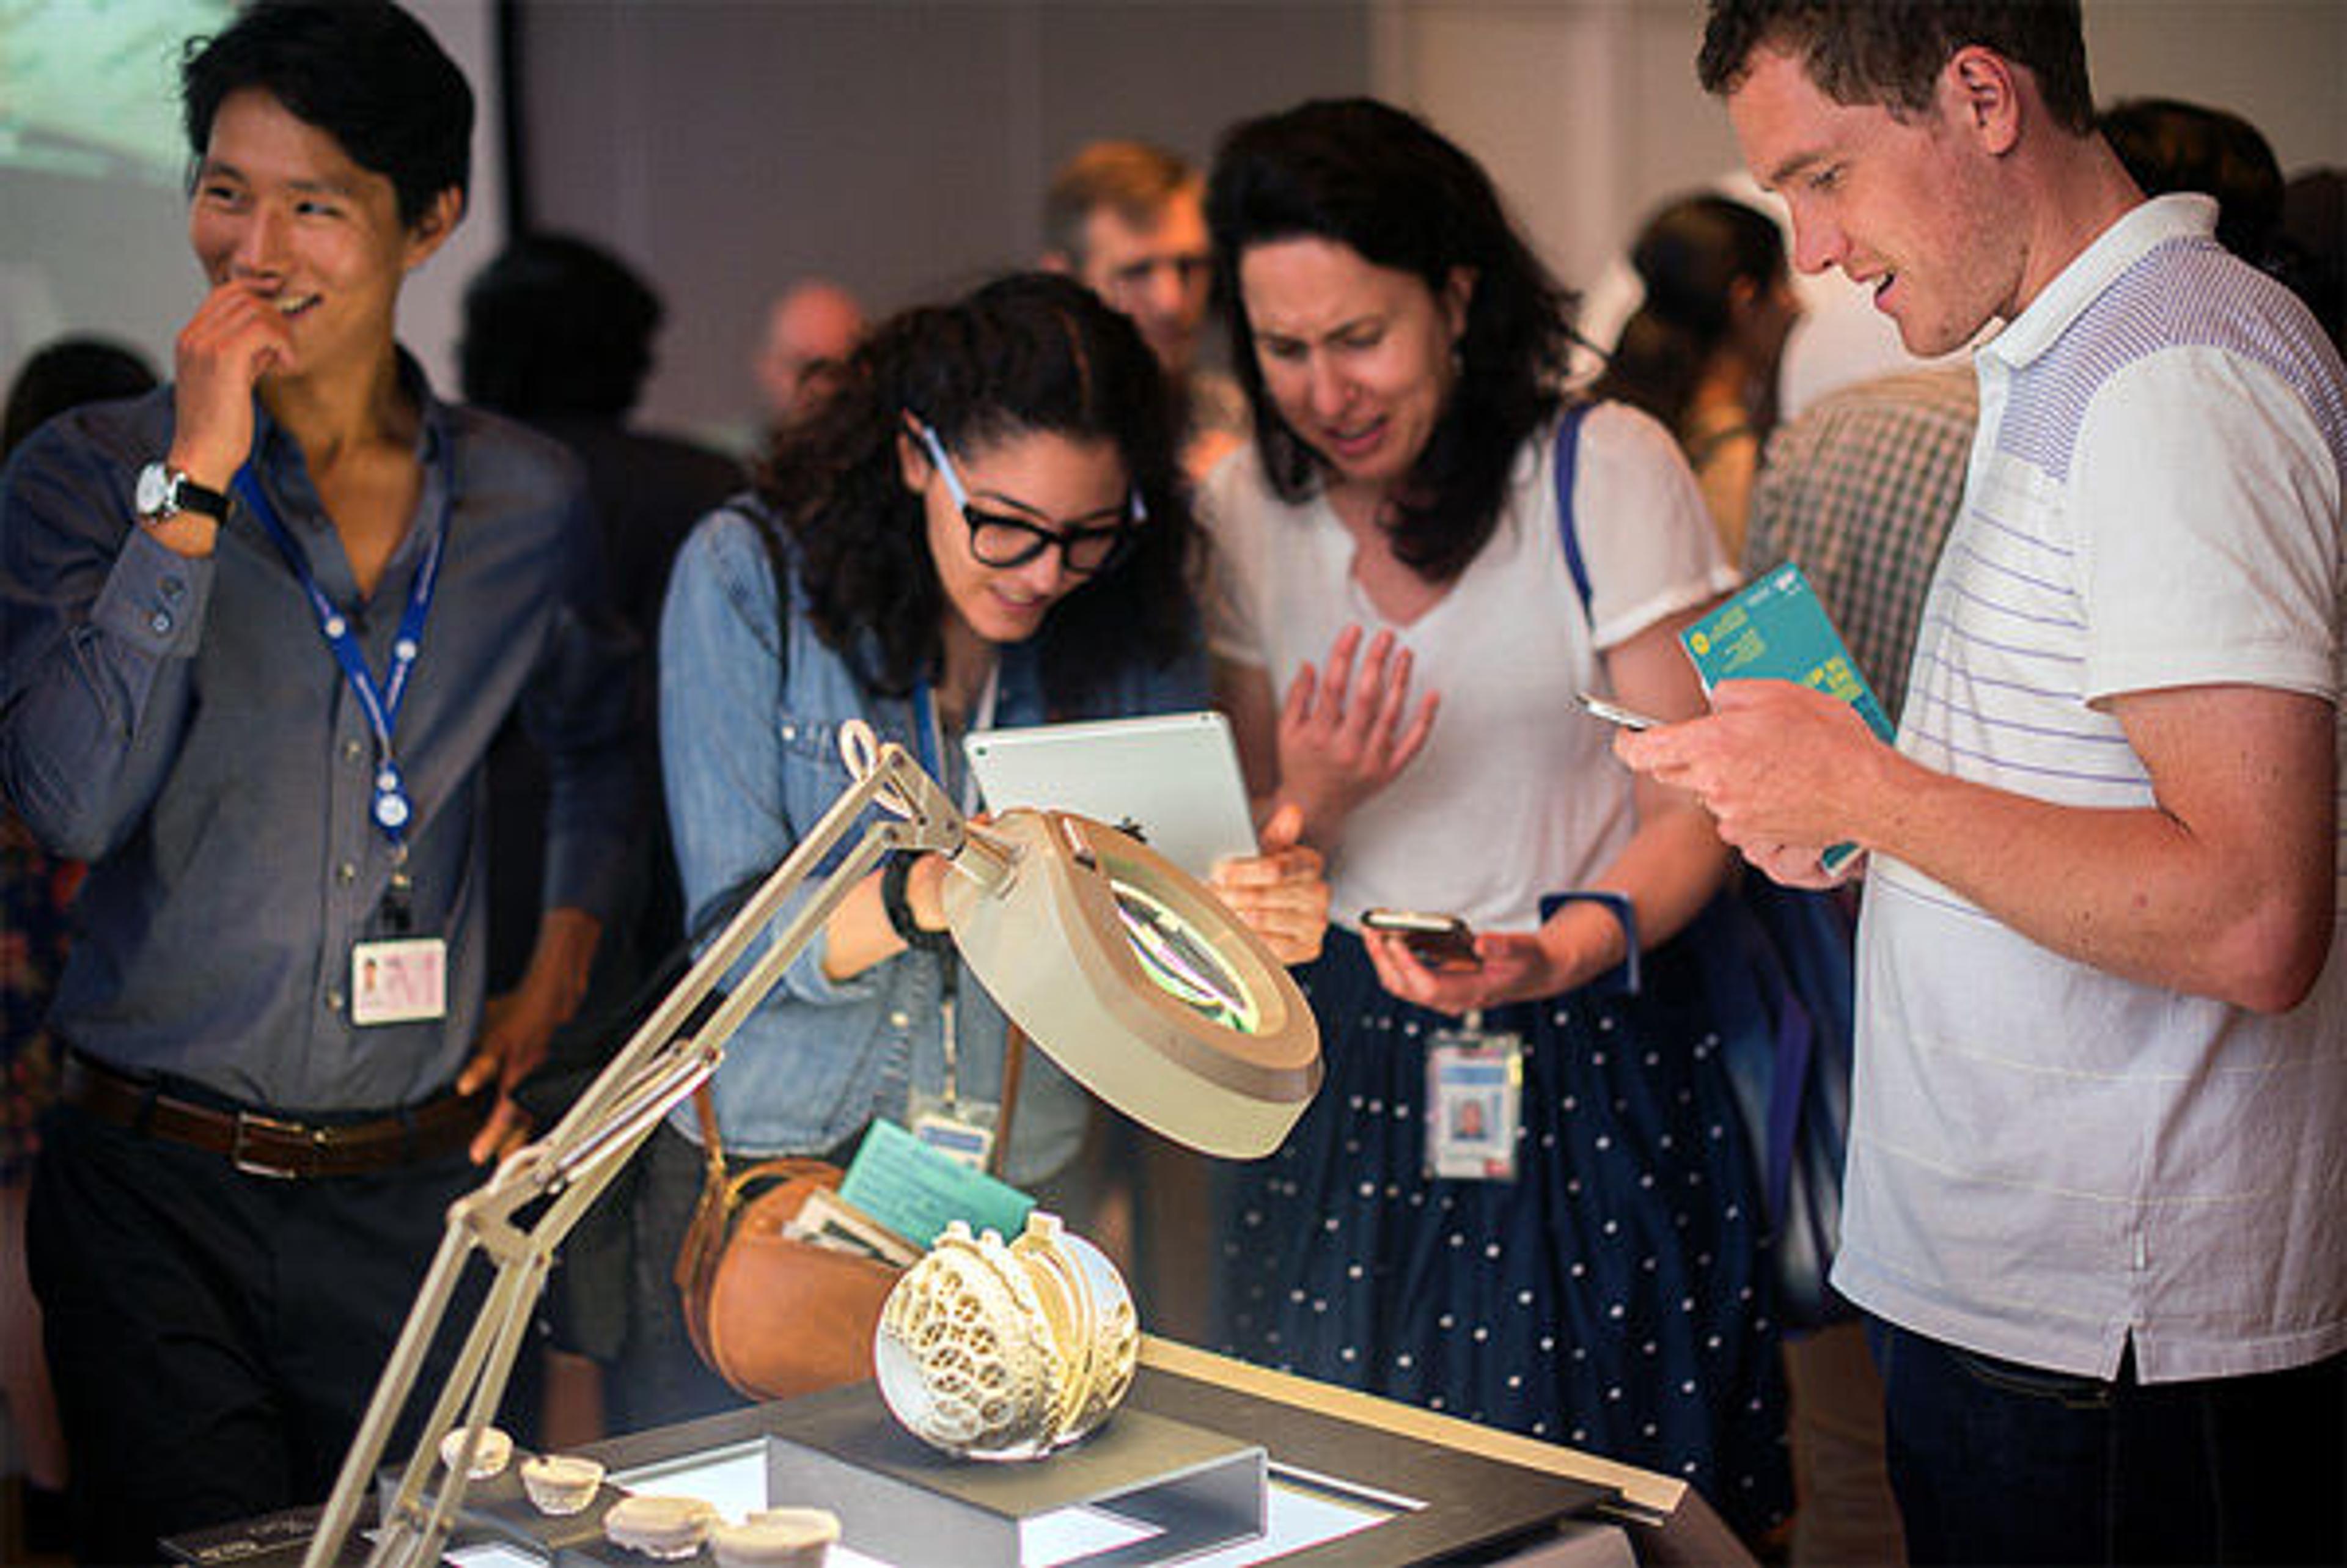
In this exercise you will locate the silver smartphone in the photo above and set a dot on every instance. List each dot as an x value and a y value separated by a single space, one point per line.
1614 714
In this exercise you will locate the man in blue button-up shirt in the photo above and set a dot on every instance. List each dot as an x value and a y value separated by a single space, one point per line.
258 703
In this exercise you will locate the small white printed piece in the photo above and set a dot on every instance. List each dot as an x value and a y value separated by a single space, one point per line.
668 1527
560 1483
490 1455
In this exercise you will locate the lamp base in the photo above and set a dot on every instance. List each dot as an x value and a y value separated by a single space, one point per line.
901 1500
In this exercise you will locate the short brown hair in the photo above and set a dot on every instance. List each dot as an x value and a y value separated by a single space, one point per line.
1133 179
1890 52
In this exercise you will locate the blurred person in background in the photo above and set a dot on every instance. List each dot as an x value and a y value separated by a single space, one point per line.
1702 349
558 333
810 326
2168 144
1128 220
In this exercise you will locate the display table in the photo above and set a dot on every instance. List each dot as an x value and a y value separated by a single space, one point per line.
1205 1453
1668 1522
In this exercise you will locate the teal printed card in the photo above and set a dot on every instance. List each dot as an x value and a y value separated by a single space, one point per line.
916 1190
1775 629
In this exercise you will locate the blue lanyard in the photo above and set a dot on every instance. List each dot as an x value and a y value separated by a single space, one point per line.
928 737
928 741
929 746
380 704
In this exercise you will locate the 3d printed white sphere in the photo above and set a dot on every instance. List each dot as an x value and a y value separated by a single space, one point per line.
990 1351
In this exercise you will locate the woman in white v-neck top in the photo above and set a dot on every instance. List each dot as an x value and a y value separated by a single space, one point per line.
1399 639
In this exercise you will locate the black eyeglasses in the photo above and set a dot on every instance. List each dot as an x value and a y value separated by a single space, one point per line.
1005 541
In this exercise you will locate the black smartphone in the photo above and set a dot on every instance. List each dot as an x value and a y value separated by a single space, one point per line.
1441 942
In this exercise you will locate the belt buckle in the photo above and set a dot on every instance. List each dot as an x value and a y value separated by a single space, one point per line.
246 1121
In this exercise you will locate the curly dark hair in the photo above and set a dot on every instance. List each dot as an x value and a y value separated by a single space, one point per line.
1387 186
1028 354
1890 52
1689 255
363 71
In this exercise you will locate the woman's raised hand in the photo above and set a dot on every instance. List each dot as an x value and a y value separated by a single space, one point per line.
1345 732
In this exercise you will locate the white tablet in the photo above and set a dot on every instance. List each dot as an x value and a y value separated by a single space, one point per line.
1172 779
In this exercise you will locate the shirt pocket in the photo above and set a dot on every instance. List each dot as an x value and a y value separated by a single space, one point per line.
815 775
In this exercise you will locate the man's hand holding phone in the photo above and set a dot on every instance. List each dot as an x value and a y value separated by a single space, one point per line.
1614 713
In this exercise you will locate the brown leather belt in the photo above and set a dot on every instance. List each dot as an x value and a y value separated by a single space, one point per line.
269 1145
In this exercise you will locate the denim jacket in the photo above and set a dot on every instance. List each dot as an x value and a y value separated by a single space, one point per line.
751 712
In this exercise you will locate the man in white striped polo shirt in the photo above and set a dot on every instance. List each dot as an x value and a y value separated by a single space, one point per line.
2097 1187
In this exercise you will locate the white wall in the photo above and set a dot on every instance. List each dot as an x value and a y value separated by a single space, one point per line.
1588 114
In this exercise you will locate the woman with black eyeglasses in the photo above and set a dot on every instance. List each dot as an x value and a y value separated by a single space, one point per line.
981 524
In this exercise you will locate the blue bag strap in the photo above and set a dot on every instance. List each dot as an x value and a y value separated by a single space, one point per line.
1568 453
1625 978
1795 1030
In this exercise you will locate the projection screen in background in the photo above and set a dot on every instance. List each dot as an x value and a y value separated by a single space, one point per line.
93 163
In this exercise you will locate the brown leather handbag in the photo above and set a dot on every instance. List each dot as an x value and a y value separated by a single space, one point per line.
773 1316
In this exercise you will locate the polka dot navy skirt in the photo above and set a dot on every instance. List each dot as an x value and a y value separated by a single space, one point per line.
1610 1297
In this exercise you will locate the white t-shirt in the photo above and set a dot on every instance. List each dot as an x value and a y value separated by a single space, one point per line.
2047 1160
1517 794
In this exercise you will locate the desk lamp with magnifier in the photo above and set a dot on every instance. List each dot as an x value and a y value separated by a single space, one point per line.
1121 968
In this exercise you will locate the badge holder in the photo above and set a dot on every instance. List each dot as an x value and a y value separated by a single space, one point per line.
964 1131
1474 1095
401 979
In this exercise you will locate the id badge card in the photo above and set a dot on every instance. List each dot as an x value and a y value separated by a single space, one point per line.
403 981
1474 1089
962 1131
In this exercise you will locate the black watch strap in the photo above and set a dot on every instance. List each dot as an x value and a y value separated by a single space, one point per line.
164 492
190 497
900 908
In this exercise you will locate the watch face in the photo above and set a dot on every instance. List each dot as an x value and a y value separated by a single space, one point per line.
154 492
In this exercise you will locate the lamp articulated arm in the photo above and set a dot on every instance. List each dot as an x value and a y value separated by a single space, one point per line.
565 1170
1127 972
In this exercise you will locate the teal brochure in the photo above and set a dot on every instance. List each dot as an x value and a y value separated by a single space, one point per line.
1775 629
915 1191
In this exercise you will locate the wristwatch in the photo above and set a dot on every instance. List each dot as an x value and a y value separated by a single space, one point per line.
163 493
909 931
